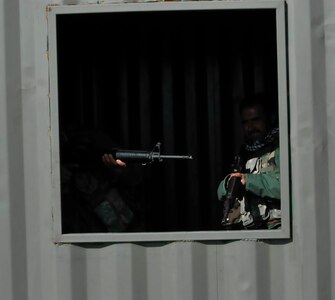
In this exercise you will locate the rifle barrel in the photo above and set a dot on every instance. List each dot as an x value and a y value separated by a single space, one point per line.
175 156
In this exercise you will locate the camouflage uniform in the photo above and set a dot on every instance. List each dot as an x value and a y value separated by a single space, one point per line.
259 208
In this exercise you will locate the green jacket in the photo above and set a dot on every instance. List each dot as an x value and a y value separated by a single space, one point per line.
264 177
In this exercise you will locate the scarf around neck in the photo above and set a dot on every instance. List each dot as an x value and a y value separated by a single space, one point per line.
269 138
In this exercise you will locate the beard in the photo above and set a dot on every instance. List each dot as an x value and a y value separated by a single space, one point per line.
254 136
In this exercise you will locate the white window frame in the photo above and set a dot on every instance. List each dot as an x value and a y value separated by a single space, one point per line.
283 233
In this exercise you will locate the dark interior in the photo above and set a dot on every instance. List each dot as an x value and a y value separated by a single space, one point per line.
129 80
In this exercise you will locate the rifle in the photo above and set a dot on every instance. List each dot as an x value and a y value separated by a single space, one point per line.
234 190
146 157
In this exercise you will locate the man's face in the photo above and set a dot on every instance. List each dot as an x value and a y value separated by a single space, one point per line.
254 123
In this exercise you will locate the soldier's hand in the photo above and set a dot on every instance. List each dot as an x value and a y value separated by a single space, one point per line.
109 161
241 175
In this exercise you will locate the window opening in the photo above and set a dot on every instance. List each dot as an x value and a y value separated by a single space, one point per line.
130 79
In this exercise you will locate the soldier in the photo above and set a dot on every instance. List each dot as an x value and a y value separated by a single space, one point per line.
258 206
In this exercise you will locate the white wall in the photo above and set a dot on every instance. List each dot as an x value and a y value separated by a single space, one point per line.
32 267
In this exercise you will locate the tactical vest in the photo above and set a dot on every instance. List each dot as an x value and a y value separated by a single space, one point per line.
252 211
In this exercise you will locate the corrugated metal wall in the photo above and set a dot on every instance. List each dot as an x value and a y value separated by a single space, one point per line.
32 267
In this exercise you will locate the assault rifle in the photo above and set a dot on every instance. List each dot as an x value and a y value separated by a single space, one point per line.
234 190
146 157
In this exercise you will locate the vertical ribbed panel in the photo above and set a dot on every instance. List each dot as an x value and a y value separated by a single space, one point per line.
178 270
6 278
182 270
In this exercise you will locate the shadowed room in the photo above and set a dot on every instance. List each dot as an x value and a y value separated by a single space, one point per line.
127 80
